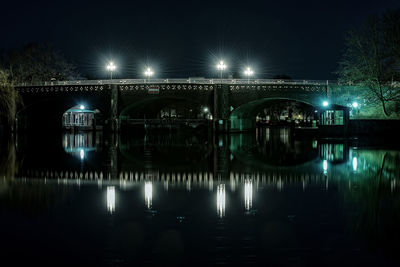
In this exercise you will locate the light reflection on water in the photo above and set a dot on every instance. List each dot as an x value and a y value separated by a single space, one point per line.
248 194
290 193
221 200
111 199
148 194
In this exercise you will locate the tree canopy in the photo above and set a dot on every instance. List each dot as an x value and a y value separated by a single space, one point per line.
372 59
38 62
9 99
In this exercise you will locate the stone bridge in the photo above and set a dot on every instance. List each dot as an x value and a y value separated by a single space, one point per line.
232 104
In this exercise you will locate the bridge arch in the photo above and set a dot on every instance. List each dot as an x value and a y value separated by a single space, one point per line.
243 117
166 107
152 105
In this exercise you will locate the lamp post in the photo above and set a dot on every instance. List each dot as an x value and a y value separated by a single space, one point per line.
248 72
221 66
111 67
148 72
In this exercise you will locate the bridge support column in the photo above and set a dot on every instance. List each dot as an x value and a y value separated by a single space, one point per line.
113 119
112 164
221 157
221 108
242 124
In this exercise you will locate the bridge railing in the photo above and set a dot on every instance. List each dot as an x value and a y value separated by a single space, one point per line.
180 81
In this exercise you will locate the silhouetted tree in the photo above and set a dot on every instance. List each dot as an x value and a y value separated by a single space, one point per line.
371 59
38 62
9 99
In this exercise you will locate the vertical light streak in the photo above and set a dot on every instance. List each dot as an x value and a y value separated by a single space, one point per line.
248 194
148 194
111 199
221 200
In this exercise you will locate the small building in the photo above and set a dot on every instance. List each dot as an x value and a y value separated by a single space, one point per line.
333 120
334 115
80 118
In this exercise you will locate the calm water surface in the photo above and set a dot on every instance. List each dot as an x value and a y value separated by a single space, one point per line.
183 199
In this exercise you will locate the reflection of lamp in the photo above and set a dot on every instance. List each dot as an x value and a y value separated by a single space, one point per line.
82 154
111 199
221 200
354 163
248 194
325 166
148 194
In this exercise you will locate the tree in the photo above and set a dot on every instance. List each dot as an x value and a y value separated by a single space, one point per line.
370 59
38 62
9 100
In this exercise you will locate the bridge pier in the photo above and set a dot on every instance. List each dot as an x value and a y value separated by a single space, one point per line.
221 112
112 160
221 157
242 124
113 122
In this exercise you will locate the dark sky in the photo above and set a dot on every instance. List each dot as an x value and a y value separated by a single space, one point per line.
303 39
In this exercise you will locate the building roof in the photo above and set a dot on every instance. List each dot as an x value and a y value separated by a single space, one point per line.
78 109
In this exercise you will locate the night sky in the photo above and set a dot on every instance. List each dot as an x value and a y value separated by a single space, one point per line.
303 39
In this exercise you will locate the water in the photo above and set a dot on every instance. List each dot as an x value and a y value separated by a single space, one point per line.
183 199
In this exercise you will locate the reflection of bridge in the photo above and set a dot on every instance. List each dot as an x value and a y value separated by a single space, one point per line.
168 123
231 104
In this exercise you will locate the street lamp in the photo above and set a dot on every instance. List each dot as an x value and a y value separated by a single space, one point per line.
325 103
221 66
248 72
354 104
205 111
111 67
148 72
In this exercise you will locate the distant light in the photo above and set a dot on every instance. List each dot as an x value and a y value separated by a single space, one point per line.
148 72
248 72
82 107
355 104
221 65
315 111
205 109
354 163
325 165
82 154
110 66
325 103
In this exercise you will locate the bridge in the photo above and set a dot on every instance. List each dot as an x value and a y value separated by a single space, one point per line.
228 104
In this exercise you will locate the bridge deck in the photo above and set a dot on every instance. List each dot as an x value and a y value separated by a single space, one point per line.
175 81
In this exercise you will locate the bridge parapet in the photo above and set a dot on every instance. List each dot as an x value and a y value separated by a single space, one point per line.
177 81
